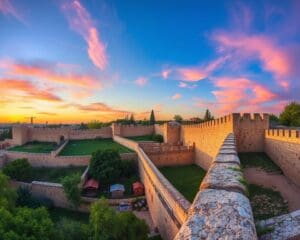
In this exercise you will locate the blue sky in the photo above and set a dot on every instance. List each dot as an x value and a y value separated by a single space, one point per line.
77 60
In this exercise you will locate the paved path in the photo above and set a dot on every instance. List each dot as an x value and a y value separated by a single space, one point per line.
278 182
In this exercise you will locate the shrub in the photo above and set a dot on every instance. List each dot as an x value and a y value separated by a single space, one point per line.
71 188
158 138
19 169
105 165
128 167
290 115
7 194
68 229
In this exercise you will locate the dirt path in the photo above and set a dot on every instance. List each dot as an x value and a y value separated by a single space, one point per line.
280 183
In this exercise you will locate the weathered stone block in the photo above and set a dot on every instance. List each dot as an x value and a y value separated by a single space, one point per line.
226 176
219 214
227 158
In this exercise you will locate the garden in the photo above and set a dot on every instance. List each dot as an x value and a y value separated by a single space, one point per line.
35 147
88 146
186 179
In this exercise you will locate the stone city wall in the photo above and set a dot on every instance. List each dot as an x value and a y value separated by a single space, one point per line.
283 147
23 134
132 130
159 129
162 154
207 137
221 210
47 160
168 208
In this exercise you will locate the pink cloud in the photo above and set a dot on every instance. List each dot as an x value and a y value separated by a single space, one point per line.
274 59
241 94
186 85
7 8
17 86
176 96
193 74
81 22
53 74
141 81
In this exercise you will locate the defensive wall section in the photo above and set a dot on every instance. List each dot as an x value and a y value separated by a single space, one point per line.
167 206
221 210
132 130
283 146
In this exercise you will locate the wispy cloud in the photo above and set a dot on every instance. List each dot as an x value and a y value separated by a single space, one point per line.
186 85
17 86
176 96
81 22
7 8
141 81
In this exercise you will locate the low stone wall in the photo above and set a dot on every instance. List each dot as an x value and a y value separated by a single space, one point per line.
282 227
162 154
168 208
220 209
59 149
47 160
283 146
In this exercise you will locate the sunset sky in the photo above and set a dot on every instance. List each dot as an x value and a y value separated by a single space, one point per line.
77 61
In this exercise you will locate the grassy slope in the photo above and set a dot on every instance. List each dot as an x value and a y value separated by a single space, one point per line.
186 179
259 160
87 147
54 175
35 147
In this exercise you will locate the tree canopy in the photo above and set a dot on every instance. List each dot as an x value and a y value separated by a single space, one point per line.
290 115
208 116
152 118
178 118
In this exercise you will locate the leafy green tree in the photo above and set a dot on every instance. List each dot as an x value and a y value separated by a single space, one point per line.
26 224
152 118
131 120
105 223
178 118
105 165
71 188
208 116
19 169
291 115
94 125
7 194
68 229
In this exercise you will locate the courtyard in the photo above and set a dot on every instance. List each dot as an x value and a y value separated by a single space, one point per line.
186 179
88 146
35 147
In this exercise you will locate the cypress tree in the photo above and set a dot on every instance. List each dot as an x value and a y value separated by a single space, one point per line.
152 118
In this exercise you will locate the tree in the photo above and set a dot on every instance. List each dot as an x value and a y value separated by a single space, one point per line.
107 224
19 169
71 188
26 224
208 116
68 229
152 118
94 125
105 165
7 194
131 120
290 115
178 118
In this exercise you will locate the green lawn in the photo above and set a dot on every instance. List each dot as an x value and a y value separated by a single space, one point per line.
35 147
87 147
258 160
186 179
57 213
54 175
265 202
141 138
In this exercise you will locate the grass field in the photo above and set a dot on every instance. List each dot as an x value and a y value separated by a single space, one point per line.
265 202
57 213
186 179
35 147
87 147
142 138
258 160
54 175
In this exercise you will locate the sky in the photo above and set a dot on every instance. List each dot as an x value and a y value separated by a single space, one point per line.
81 60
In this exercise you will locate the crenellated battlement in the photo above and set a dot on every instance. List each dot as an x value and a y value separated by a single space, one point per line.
250 117
286 135
211 123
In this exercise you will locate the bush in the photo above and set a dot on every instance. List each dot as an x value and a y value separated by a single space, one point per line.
128 167
19 169
71 188
291 115
158 138
68 229
105 165
7 194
